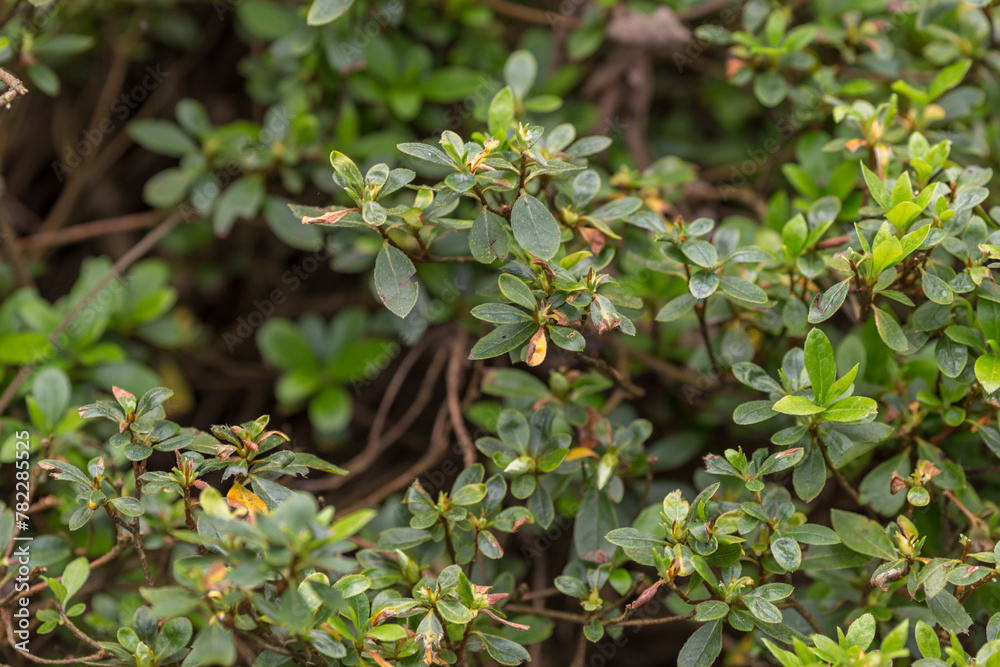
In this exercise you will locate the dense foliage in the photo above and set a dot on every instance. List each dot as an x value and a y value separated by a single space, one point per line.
614 316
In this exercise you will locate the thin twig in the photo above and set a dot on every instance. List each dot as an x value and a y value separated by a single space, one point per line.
805 613
43 661
89 230
14 87
378 444
650 621
844 483
438 448
453 379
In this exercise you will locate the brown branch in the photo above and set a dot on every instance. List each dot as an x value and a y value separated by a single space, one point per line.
630 388
797 606
14 87
15 249
5 614
89 230
663 368
844 483
699 310
551 613
638 622
377 443
436 452
453 379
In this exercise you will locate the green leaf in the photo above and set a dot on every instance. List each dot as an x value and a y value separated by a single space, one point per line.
567 339
788 554
879 192
45 78
128 506
948 78
753 412
951 357
742 290
770 88
810 533
330 410
703 647
504 651
500 313
949 613
501 111
711 610
794 235
352 584
594 519
902 191
809 477
889 330
861 633
886 253
488 238
26 347
804 183
322 12
74 577
50 391
351 524
283 344
515 290
902 214
700 252
534 228
637 544
988 319
242 199
174 636
988 372
167 188
796 405
821 365
703 284
763 610
861 534
316 463
851 409
824 305
519 72
676 308
936 289
503 339
424 152
214 645
394 280
161 136
927 640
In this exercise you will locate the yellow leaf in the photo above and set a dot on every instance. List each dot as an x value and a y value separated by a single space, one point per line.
240 496
537 347
581 452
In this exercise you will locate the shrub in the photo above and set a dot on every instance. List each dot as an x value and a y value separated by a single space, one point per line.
831 351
